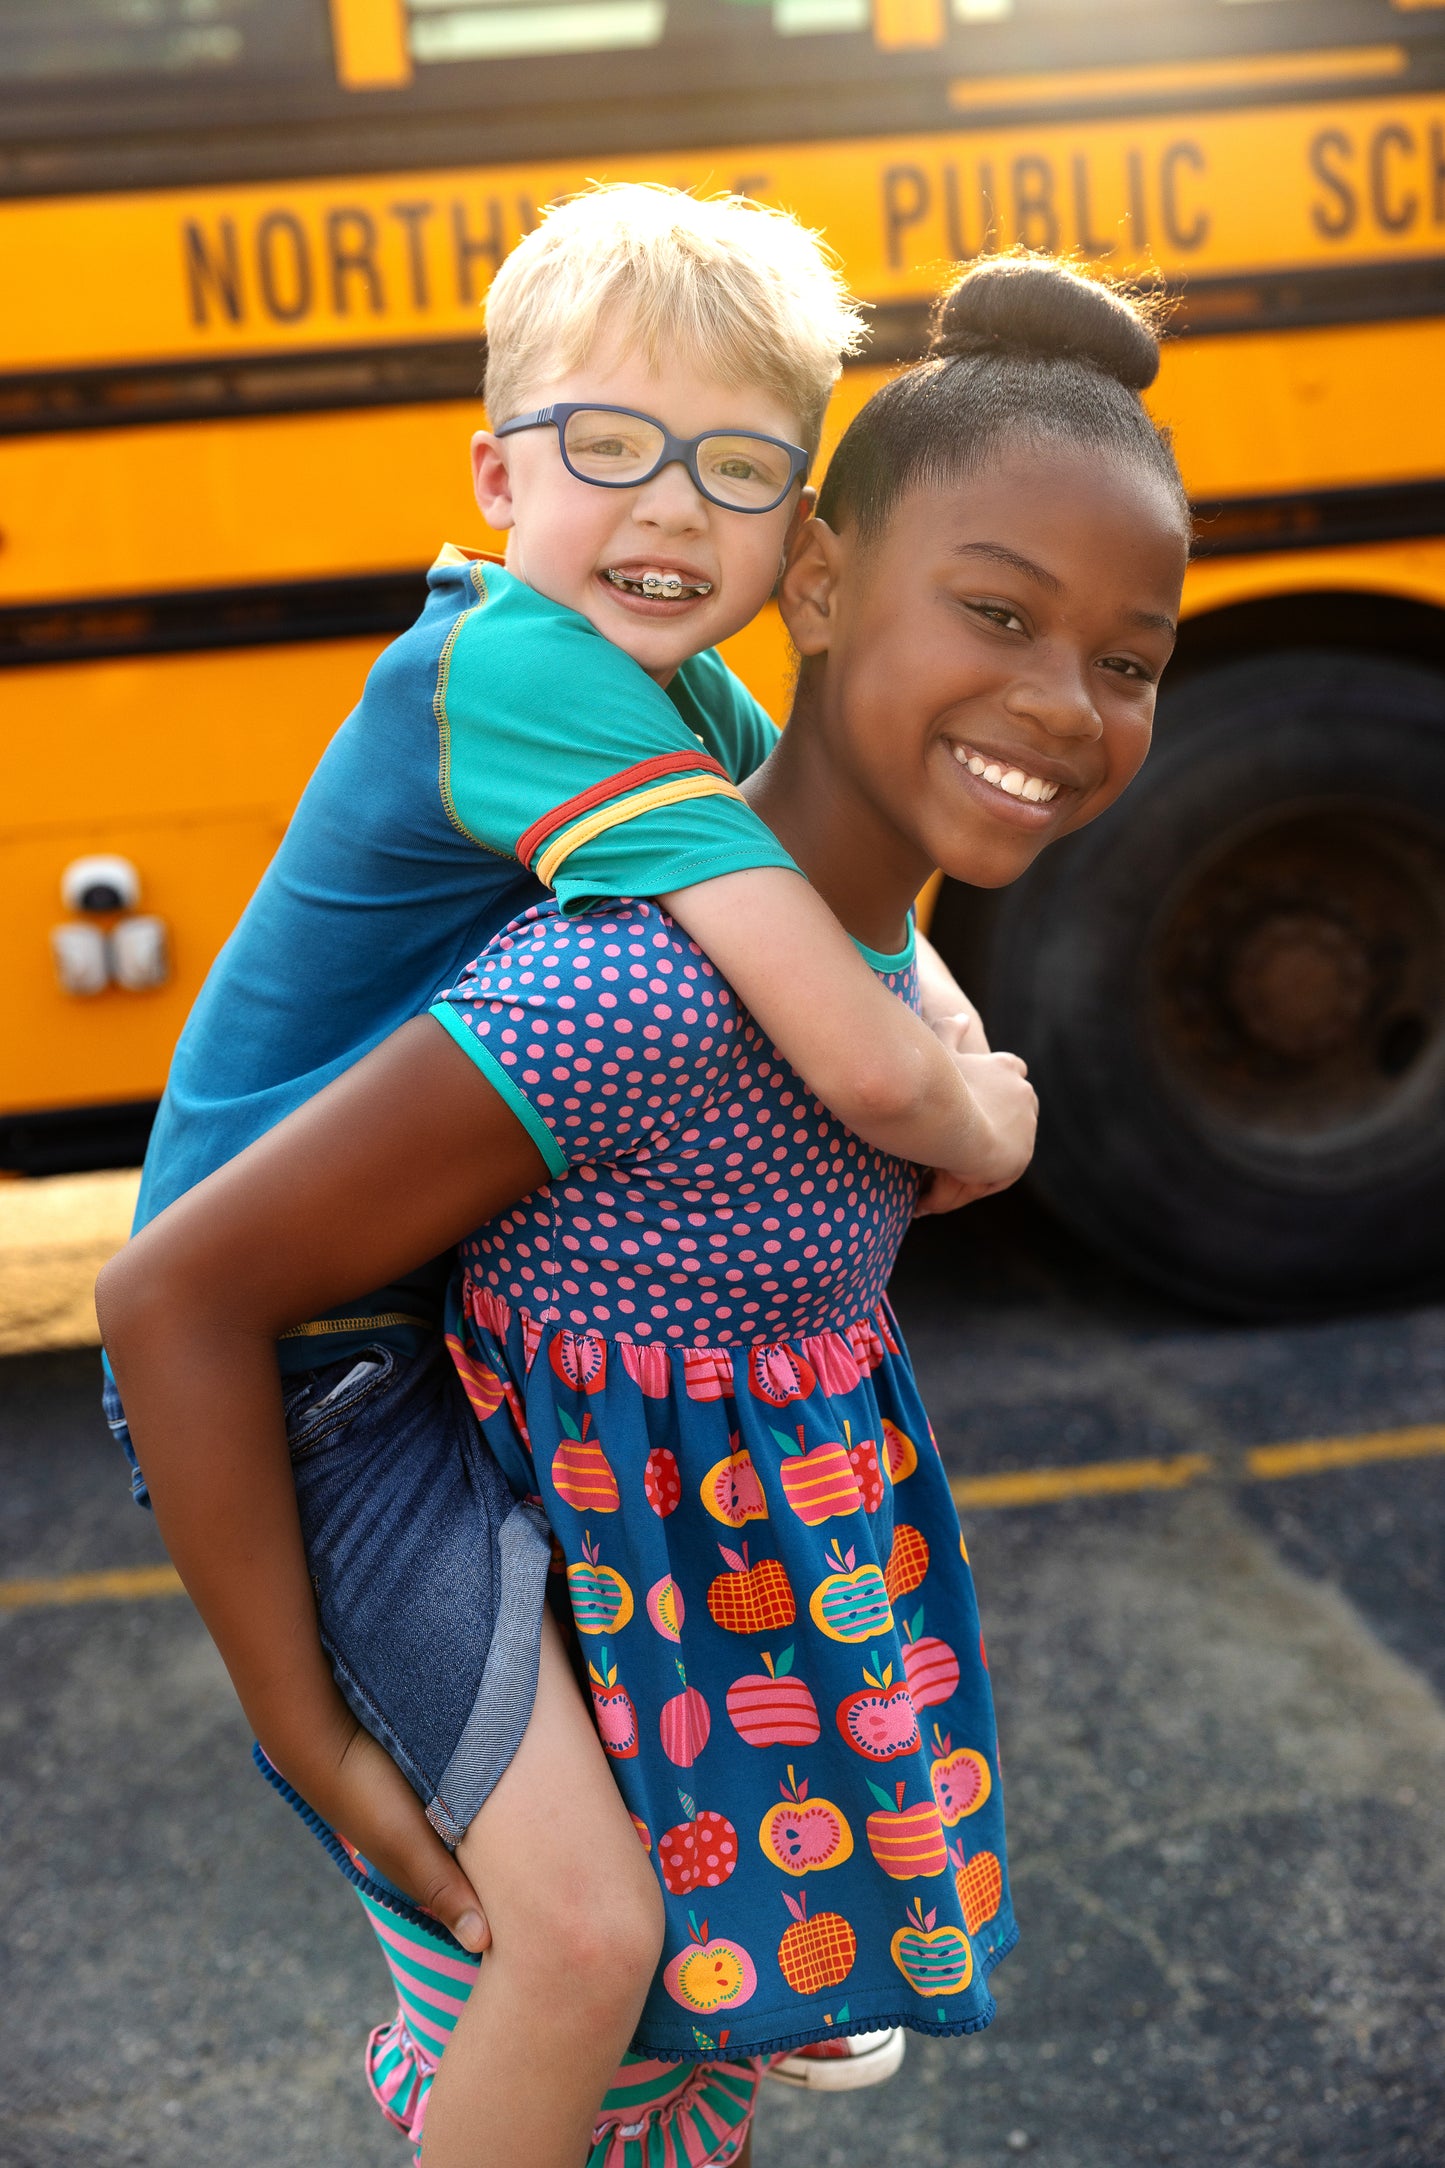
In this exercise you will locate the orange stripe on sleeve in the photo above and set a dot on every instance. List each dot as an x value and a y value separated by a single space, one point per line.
628 809
613 786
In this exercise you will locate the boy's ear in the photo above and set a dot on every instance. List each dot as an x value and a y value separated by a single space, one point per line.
492 482
807 592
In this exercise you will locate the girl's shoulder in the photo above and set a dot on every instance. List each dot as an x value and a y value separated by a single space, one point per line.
626 951
607 1030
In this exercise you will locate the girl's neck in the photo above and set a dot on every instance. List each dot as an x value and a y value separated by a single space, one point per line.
865 870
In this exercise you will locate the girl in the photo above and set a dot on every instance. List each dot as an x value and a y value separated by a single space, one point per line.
671 1317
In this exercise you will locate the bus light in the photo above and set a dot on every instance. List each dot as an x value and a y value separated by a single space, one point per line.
100 885
132 953
138 958
82 964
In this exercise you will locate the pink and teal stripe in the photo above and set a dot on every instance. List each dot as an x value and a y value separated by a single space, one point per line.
655 2115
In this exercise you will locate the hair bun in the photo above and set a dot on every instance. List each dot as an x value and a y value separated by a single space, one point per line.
1036 306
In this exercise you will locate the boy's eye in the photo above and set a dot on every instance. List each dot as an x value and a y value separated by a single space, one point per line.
603 448
747 470
1127 666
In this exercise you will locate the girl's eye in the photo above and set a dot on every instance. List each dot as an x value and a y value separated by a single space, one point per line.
1126 666
999 613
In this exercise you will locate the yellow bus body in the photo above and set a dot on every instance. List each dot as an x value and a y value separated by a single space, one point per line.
189 762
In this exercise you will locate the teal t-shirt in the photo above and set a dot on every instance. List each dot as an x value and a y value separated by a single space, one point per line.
501 747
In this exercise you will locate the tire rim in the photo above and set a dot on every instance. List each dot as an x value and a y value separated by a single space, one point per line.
1297 994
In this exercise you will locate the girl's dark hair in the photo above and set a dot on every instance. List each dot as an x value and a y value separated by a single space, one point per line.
1022 346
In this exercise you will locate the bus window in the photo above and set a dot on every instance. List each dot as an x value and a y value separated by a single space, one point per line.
461 30
45 42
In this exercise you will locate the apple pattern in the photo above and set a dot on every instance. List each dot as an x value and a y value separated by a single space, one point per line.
803 1835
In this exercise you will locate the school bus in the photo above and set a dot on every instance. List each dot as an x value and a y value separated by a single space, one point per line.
243 246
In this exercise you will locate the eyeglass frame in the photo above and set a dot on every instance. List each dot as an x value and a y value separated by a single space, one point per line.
680 451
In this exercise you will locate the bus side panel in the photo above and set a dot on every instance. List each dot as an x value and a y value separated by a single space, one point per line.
188 765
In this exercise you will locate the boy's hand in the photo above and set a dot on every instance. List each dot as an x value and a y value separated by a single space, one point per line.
1003 1142
961 1029
354 1784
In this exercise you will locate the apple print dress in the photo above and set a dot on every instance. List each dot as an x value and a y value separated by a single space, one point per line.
681 1346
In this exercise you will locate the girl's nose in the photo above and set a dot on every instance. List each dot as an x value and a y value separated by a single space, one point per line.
1059 701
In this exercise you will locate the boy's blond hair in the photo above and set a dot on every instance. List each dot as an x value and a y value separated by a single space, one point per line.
722 284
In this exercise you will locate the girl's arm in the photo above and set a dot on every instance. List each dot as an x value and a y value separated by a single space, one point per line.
876 1065
394 1162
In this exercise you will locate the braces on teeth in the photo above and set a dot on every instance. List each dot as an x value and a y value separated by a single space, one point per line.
662 586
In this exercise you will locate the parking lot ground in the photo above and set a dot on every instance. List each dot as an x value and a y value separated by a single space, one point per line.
1224 1743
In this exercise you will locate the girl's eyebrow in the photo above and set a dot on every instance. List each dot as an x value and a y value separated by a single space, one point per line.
1000 554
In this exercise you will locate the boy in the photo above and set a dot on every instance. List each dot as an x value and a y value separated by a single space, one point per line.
658 372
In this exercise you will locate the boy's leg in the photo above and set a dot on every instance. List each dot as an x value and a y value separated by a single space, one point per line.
576 1920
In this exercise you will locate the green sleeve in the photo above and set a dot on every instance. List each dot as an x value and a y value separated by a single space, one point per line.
554 747
733 726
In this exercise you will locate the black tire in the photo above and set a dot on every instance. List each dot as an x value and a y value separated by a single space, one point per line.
1231 991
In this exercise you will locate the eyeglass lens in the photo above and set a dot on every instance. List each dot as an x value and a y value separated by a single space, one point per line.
745 472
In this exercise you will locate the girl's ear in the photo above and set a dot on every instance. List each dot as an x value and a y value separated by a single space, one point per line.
807 593
491 482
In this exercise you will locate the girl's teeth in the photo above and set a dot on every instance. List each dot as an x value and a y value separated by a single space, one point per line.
1012 780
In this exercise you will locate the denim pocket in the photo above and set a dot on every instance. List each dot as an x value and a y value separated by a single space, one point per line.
320 1409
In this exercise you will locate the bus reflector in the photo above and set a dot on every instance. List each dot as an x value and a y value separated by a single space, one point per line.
901 23
371 44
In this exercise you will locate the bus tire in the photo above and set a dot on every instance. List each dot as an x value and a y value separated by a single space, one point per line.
1231 991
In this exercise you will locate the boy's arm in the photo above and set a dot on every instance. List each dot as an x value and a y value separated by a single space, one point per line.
395 1161
869 1059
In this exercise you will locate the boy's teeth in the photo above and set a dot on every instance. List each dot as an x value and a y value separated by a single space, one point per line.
666 586
1014 781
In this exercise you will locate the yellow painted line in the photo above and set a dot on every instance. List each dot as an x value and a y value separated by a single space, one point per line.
1078 86
1023 1487
1262 1464
1097 1479
123 1583
1311 1456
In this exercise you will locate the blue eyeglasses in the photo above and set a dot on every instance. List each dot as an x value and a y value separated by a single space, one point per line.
616 448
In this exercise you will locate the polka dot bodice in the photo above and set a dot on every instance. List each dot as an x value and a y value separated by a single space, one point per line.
708 1199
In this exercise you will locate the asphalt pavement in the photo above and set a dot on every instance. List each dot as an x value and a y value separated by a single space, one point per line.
1224 1741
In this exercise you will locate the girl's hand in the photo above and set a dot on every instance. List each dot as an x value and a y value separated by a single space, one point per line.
356 1786
943 1192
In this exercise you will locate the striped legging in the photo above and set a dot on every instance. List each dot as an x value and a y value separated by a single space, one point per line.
655 2115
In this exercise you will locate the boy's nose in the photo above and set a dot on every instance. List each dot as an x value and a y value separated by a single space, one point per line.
671 499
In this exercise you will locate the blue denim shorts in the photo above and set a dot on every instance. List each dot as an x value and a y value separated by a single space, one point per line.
429 1574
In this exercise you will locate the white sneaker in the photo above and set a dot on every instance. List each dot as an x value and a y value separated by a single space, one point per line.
845 2065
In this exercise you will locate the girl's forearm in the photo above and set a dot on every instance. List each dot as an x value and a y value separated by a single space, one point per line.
203 1405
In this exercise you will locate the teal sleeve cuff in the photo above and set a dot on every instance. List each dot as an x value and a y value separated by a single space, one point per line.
498 1078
